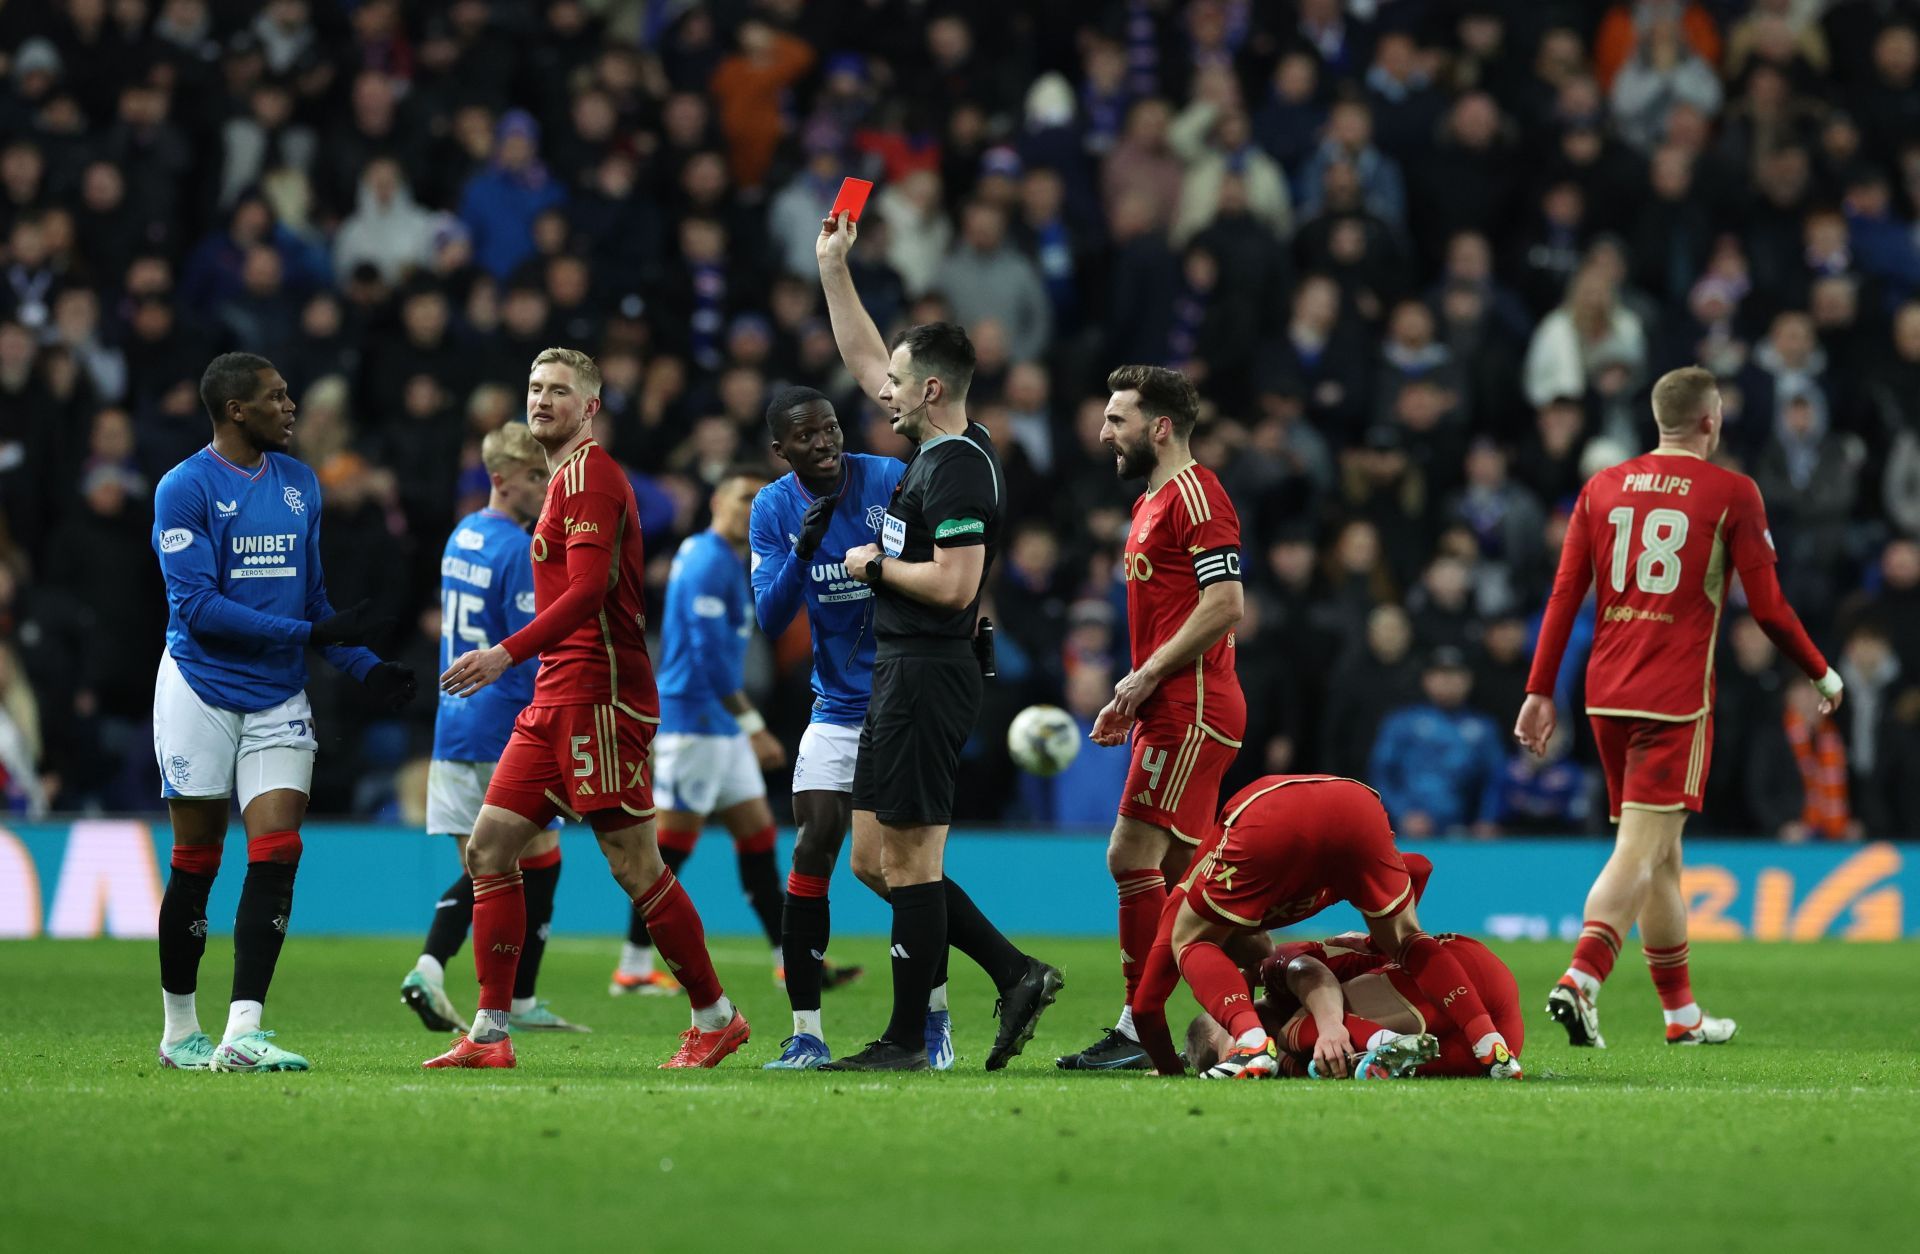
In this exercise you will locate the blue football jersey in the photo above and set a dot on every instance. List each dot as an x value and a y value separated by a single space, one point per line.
703 652
839 609
240 552
486 594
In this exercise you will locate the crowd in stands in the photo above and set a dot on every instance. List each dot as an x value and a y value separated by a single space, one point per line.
1422 257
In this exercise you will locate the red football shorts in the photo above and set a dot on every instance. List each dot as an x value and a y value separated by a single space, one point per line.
1295 850
575 760
1652 764
1174 781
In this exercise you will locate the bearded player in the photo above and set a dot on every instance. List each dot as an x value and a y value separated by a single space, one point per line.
580 748
1288 847
1661 535
1181 701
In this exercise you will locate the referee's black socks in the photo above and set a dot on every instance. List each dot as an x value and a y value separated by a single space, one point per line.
972 934
919 938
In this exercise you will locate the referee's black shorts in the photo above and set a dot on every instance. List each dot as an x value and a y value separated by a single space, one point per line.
926 696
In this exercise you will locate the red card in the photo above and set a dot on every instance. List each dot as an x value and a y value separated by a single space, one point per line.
852 198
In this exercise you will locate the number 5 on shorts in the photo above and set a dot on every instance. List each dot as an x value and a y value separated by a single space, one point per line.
581 756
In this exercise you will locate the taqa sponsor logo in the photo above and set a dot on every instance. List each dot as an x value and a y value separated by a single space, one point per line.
582 527
173 539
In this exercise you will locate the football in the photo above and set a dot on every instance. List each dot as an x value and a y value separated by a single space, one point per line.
1043 739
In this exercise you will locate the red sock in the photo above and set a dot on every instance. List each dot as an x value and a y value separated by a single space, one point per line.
1307 1034
541 861
680 938
1219 987
1596 949
1143 894
799 885
761 841
499 929
1444 982
680 838
1670 979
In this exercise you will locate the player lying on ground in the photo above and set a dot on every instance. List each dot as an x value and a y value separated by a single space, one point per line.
237 530
1289 847
832 501
1660 536
1337 1008
1181 703
486 594
581 746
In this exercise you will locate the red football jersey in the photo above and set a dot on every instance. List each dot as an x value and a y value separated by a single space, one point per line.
1290 846
604 660
1184 536
1660 536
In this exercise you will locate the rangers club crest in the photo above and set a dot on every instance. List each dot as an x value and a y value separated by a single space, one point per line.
875 513
292 497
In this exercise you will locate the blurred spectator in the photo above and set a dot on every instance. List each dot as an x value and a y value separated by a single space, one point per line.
500 202
1374 678
986 277
387 229
1348 141
1661 72
1545 796
1439 765
1589 330
1797 774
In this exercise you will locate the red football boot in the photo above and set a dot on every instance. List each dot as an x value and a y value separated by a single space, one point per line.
465 1053
706 1049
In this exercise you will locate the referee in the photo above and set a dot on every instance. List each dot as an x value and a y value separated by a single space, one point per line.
937 540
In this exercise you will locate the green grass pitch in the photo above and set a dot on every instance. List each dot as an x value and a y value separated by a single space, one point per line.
1800 1135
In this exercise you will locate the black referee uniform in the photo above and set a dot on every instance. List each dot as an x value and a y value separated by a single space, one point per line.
926 696
926 679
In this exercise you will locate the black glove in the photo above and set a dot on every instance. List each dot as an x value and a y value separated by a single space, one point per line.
813 525
391 684
350 626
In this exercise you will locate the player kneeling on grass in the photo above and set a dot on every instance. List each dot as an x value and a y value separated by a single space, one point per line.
581 747
1289 847
237 530
486 594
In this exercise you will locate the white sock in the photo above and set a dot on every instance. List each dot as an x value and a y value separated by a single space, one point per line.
1688 1016
242 1017
713 1018
429 966
183 1019
937 1000
807 1023
488 1025
779 959
1484 1046
1588 985
1125 1026
1252 1038
523 1004
636 959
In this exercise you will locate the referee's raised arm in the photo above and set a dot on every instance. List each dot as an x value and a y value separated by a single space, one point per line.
859 341
937 542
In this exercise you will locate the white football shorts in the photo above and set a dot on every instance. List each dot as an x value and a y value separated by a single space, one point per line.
826 757
205 751
704 774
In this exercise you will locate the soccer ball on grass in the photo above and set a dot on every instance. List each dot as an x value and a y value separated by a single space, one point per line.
1043 739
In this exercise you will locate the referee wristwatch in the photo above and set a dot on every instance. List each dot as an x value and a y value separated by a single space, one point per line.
875 565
